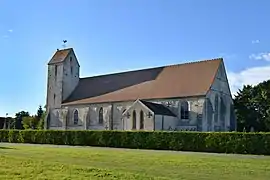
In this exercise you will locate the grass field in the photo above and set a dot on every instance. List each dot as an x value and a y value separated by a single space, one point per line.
63 162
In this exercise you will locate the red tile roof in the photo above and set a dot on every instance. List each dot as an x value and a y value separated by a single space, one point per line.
181 80
60 55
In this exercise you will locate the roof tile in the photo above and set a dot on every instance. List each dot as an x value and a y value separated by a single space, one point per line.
181 80
60 56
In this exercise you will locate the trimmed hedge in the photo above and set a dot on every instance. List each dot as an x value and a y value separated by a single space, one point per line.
218 142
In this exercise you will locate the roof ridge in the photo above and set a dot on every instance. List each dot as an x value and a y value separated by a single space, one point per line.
195 62
165 66
65 49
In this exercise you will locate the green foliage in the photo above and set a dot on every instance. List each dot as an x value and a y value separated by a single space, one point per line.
241 143
25 121
30 122
40 125
252 105
19 118
39 112
22 114
40 118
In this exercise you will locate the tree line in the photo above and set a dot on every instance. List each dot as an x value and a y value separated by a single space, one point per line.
23 120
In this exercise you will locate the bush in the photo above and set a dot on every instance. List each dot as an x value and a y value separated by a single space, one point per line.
218 142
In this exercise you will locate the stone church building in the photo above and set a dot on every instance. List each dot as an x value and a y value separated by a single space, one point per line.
191 96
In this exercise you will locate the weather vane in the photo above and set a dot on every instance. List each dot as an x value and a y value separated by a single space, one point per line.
64 45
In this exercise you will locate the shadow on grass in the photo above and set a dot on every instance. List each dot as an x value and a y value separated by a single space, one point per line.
1 147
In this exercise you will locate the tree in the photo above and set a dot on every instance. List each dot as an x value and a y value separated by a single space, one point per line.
40 116
18 118
25 121
41 121
30 122
252 106
35 121
39 112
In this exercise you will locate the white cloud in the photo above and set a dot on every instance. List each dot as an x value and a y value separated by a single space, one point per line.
11 30
250 76
261 56
255 41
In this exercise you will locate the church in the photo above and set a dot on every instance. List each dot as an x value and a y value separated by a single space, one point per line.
192 96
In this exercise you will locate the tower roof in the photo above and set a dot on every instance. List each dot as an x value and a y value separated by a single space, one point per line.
60 56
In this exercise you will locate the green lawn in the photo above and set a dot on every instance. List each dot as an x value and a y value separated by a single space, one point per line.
63 162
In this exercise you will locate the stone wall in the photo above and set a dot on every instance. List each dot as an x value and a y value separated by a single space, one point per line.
195 111
71 75
218 103
54 86
167 123
137 107
113 119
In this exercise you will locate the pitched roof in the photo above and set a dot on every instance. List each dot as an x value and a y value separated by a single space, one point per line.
60 56
158 109
181 80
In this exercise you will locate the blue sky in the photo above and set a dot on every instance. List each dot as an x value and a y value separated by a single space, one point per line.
118 35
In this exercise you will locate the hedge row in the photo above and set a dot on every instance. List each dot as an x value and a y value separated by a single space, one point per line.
231 142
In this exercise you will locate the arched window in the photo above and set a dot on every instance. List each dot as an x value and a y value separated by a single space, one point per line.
184 110
134 120
100 116
123 120
141 120
216 108
76 117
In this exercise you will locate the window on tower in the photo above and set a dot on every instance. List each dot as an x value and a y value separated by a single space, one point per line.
55 70
71 68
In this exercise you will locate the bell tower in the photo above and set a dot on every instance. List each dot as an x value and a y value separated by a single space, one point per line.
63 77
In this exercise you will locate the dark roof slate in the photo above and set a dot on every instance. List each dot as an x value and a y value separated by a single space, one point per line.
158 109
100 85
